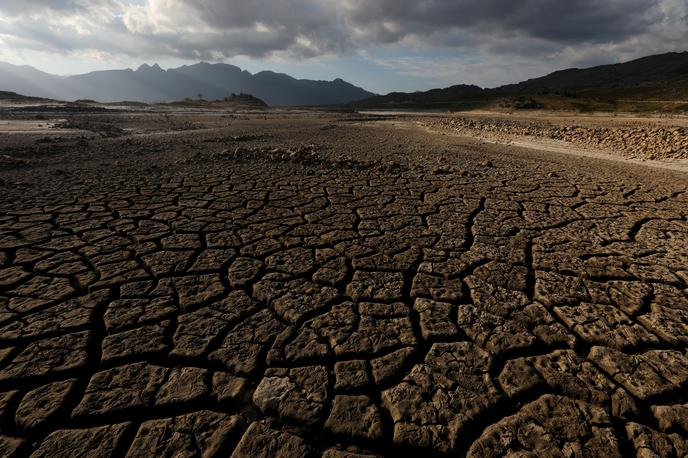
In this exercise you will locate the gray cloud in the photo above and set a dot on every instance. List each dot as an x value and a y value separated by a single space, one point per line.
38 7
572 31
558 21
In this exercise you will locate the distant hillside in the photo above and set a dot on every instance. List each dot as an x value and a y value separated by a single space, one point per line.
662 77
245 101
199 81
18 98
435 98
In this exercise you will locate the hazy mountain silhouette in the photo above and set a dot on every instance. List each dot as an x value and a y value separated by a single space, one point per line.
153 84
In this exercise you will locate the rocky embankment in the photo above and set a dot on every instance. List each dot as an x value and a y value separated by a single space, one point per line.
637 142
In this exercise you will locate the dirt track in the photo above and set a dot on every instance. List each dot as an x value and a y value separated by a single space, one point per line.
323 284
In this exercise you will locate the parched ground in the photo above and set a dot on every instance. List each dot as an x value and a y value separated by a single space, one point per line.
287 284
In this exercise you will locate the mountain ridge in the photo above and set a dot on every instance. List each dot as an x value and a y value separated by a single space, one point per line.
663 76
151 83
659 68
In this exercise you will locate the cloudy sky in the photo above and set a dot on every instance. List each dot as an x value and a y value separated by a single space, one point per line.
382 45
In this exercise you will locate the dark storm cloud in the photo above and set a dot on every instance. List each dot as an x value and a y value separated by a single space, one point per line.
558 21
308 28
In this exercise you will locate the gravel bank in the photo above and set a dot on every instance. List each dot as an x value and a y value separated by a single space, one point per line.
639 142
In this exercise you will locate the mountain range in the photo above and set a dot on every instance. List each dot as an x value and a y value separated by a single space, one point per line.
661 74
662 77
202 80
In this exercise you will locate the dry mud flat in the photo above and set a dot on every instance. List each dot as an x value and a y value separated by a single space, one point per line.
319 285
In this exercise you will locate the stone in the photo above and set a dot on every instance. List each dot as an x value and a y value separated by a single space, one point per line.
645 375
196 290
262 441
650 443
39 406
351 375
435 319
97 442
69 316
387 368
297 395
354 417
673 417
124 313
549 425
197 331
203 434
135 343
11 446
670 324
563 371
376 286
49 356
229 389
244 346
244 271
495 334
140 385
605 325
441 396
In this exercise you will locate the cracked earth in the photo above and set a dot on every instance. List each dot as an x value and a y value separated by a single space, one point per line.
326 285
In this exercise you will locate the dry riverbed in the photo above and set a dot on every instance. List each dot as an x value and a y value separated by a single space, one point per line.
335 285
